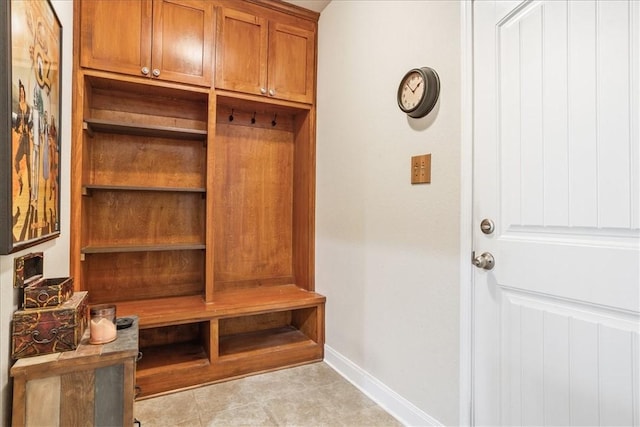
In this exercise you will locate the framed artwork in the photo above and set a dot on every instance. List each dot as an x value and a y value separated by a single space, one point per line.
30 105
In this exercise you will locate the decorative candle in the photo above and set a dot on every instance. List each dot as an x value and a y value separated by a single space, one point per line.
103 324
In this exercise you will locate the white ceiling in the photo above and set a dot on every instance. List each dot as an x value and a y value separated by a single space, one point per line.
315 5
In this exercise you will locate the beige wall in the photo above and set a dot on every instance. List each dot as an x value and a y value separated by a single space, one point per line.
388 252
56 252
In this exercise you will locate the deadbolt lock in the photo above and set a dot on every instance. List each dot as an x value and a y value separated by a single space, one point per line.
487 226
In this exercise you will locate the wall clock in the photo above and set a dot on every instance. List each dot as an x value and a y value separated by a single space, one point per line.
418 91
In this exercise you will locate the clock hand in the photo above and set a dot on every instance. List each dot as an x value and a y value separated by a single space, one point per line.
412 90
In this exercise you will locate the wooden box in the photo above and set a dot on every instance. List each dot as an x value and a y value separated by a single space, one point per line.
38 292
50 329
48 292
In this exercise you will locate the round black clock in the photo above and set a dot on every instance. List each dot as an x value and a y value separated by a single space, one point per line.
418 91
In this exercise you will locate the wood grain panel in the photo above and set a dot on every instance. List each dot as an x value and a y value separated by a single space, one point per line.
145 161
183 33
174 334
260 322
138 218
264 341
113 277
304 201
291 62
121 43
169 360
231 366
19 407
77 398
253 217
146 105
307 321
43 401
241 51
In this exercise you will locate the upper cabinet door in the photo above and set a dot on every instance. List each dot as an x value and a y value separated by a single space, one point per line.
183 33
291 62
121 42
265 56
241 52
162 39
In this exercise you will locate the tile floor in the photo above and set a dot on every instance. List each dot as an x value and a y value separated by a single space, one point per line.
310 395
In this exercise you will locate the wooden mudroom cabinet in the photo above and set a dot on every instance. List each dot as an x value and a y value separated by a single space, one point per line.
170 40
193 206
266 54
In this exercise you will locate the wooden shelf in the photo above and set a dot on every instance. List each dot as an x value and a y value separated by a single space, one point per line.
262 341
110 126
140 248
86 189
173 357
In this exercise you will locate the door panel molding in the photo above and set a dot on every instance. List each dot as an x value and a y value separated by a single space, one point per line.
570 362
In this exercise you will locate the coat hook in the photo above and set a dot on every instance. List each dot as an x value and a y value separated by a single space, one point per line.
253 118
231 116
273 122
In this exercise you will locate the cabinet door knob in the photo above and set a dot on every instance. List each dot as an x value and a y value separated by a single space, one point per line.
263 90
145 71
156 72
272 92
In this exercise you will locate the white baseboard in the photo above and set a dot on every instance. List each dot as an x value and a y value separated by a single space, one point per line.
399 407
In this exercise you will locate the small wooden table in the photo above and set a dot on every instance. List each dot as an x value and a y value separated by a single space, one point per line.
93 385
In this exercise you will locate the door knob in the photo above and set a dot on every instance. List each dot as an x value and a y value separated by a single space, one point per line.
263 90
272 92
145 70
484 261
156 72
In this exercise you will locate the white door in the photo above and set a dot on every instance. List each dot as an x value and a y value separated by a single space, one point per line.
557 169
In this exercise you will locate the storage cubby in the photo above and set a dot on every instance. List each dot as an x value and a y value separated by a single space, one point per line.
145 162
267 332
134 276
260 219
182 346
152 109
139 218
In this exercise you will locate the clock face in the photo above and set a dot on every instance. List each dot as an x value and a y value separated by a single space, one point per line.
413 87
418 92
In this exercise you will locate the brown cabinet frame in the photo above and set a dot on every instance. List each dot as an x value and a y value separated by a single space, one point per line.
193 208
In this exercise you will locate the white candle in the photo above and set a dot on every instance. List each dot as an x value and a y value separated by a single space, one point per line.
102 331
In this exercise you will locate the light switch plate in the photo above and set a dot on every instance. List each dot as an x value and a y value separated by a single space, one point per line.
421 169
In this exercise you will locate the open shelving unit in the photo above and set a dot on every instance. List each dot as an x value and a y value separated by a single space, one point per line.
193 206
201 224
